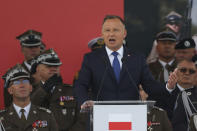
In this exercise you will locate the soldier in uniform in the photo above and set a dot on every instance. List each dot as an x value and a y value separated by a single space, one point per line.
165 63
30 42
185 49
183 81
172 22
22 115
30 46
96 43
157 120
52 93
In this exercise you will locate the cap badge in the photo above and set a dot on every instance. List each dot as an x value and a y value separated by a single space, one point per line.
189 93
187 43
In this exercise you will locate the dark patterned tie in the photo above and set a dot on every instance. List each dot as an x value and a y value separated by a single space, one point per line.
23 115
116 65
168 68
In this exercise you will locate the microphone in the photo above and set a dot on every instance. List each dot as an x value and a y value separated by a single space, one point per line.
103 78
130 77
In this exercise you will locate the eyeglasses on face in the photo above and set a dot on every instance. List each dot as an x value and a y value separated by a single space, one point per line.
18 82
184 70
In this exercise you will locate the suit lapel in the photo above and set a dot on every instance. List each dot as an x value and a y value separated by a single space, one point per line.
126 55
105 60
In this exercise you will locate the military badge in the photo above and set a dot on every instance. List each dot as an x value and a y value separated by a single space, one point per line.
187 43
61 103
65 98
189 93
149 124
64 111
39 124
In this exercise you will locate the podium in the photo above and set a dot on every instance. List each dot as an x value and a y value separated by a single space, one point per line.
119 115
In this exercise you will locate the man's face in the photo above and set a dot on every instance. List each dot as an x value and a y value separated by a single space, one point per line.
174 27
20 89
165 49
181 54
186 73
46 71
113 33
30 52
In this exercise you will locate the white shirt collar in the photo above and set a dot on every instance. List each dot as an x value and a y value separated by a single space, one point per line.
109 51
181 88
164 63
26 108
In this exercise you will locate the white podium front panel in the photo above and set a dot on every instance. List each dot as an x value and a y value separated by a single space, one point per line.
120 118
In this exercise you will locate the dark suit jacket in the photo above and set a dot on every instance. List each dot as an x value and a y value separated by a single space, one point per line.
12 122
179 120
167 102
96 72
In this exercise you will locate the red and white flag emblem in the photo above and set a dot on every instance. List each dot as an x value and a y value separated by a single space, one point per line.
120 122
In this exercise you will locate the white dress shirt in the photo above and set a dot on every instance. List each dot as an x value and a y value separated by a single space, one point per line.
18 109
111 57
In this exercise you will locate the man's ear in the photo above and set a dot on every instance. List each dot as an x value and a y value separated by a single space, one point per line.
10 90
125 33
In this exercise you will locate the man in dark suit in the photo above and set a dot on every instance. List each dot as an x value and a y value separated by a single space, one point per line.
22 115
114 72
185 94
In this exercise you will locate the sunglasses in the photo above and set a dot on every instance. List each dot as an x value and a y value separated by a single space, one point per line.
18 82
184 70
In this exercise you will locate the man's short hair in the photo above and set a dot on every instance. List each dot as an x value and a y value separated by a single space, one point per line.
108 17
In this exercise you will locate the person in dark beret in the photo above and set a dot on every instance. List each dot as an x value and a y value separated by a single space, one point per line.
185 49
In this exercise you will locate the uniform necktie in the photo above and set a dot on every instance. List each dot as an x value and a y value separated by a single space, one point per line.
166 72
116 65
23 115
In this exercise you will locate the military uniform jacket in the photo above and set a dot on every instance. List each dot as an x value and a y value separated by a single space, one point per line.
38 118
63 105
157 120
179 120
157 70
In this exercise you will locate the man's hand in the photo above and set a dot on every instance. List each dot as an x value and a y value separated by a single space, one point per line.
87 105
172 79
52 81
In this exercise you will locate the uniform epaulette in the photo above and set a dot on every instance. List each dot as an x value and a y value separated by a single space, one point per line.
45 109
155 107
